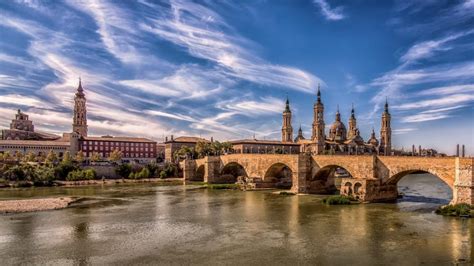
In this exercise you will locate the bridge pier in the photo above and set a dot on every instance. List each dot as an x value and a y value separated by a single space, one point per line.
463 190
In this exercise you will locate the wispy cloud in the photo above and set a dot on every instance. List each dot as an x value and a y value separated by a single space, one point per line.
423 117
203 38
429 48
447 101
445 90
328 12
266 105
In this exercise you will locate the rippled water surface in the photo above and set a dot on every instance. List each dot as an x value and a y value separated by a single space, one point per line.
182 225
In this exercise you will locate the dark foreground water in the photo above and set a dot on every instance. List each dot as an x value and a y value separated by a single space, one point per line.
145 224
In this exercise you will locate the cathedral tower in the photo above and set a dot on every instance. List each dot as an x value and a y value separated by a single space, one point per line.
318 125
352 132
386 132
287 129
79 124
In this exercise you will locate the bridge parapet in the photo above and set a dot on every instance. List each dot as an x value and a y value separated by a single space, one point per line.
359 166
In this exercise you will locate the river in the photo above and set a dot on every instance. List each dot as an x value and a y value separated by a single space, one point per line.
149 224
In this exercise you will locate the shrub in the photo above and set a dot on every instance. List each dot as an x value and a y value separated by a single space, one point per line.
144 173
132 175
461 209
153 168
63 169
337 200
90 174
123 170
163 174
75 175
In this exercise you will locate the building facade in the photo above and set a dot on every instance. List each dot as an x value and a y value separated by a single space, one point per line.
22 128
133 149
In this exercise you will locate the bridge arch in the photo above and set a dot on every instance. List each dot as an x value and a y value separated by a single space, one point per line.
279 175
397 176
231 171
199 175
428 196
326 180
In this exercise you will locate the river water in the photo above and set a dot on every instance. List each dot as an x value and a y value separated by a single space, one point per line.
147 224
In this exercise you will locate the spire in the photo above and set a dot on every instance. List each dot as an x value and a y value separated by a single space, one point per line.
338 115
386 105
319 93
287 107
300 131
352 111
373 133
80 90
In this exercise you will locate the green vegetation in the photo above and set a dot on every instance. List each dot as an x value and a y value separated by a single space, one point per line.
460 210
338 200
77 175
202 149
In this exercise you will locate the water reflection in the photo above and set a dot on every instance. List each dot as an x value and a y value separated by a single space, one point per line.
181 225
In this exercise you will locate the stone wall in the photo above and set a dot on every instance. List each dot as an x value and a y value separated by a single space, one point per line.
107 171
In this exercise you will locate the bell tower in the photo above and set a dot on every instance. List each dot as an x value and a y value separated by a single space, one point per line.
287 129
318 135
386 132
352 132
79 124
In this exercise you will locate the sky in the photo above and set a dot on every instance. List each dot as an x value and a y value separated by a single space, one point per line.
223 69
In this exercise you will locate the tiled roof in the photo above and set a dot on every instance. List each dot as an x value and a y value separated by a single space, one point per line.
268 142
34 142
124 139
188 139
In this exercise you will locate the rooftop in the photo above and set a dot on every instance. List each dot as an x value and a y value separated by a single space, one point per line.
124 139
267 142
35 142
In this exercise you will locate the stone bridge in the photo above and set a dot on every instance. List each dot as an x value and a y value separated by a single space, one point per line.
366 177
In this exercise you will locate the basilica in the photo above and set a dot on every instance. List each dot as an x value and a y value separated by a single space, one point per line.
340 140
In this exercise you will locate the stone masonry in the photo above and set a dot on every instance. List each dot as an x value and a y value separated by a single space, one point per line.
372 178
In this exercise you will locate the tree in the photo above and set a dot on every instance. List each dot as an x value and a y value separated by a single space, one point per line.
51 158
30 157
6 156
226 146
95 157
115 156
67 158
18 156
203 148
123 170
183 152
216 148
79 157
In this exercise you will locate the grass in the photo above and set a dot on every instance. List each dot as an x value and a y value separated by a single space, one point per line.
459 210
338 200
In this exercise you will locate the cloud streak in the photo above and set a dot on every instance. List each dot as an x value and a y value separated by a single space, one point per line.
328 12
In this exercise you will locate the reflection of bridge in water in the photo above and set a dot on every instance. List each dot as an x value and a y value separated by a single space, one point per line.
370 178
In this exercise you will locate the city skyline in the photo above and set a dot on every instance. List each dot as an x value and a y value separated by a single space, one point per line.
188 68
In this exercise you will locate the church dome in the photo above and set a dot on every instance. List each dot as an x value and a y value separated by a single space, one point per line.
338 131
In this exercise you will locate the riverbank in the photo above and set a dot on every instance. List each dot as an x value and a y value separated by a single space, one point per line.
31 205
167 181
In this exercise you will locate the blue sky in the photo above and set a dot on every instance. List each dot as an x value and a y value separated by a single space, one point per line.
224 68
